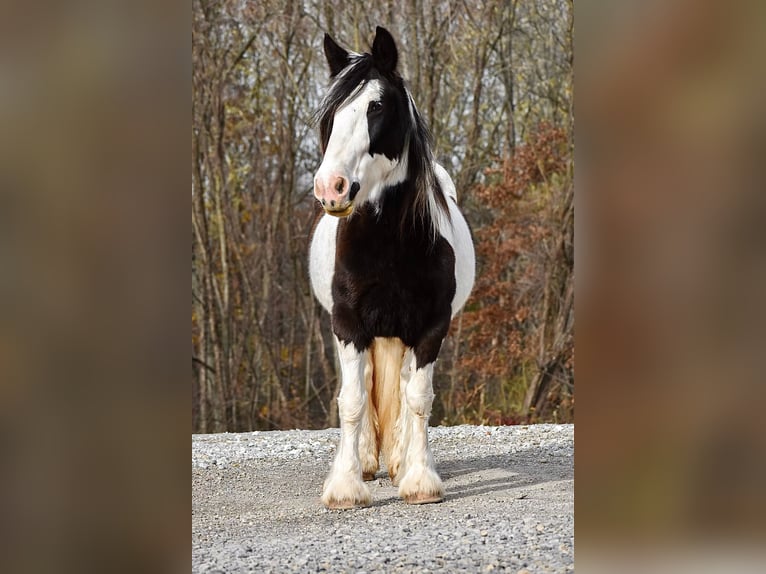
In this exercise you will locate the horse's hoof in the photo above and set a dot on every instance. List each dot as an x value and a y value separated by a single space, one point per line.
368 476
421 485
346 504
423 498
344 492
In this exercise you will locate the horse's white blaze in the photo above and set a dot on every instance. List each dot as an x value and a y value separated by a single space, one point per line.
347 152
344 486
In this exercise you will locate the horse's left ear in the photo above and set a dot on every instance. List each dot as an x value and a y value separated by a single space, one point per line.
384 52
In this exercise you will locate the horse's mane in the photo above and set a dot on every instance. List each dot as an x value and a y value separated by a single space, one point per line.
430 201
429 204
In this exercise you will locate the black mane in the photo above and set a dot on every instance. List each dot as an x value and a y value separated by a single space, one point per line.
420 172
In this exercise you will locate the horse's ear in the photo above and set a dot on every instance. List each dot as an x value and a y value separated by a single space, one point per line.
337 57
384 52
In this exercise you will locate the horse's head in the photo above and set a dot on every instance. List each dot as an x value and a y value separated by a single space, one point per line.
365 121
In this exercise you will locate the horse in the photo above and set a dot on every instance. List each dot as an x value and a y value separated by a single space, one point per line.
391 258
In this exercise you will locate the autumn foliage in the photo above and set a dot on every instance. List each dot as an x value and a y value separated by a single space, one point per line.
517 344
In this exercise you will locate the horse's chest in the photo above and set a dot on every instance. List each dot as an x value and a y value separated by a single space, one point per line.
379 277
394 287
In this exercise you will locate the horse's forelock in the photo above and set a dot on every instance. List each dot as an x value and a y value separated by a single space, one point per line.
343 85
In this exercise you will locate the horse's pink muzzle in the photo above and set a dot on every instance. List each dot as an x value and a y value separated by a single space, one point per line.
335 194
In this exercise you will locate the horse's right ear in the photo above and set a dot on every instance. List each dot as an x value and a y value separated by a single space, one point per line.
337 57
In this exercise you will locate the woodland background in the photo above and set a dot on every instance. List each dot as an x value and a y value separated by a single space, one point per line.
494 80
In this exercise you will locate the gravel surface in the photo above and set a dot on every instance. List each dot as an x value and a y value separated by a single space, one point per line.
509 505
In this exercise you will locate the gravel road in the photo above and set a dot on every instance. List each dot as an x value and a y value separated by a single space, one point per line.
508 508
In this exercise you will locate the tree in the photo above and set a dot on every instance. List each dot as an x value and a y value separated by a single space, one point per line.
486 75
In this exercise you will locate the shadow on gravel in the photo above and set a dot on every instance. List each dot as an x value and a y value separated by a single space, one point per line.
515 475
494 473
386 501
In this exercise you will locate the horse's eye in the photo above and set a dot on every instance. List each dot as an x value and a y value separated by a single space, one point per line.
375 106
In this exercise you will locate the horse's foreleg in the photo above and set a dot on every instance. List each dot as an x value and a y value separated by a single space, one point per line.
343 487
420 483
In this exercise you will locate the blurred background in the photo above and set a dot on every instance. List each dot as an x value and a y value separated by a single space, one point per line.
94 396
671 245
494 81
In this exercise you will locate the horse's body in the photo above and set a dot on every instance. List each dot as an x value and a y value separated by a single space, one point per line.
392 260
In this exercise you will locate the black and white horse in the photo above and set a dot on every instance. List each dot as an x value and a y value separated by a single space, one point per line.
392 260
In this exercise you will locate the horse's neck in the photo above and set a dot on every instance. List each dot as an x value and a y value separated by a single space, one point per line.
399 200
397 218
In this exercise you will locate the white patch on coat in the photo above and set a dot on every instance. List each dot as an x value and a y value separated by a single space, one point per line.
322 259
458 235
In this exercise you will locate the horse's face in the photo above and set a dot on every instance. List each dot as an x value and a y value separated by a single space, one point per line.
364 150
364 135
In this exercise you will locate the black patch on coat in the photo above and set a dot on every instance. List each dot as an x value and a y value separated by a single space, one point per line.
392 284
388 126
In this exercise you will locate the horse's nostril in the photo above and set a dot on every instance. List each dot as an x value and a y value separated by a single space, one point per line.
339 185
353 191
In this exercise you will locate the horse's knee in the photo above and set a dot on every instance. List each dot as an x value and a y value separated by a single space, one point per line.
351 404
420 403
353 392
419 391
